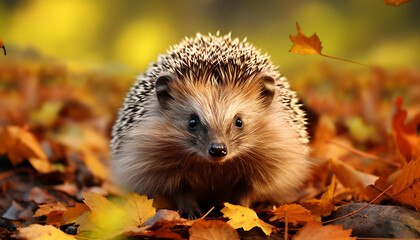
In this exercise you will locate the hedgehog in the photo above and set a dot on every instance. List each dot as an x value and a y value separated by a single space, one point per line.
212 121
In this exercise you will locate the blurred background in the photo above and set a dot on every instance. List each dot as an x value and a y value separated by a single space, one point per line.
80 57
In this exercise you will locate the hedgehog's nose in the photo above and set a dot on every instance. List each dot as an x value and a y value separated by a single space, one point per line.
218 149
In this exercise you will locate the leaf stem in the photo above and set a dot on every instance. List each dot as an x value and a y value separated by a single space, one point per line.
345 60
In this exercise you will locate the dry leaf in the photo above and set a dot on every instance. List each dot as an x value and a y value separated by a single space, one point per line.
139 208
40 232
323 206
40 196
296 214
20 144
95 165
315 231
407 185
72 213
246 218
212 230
395 2
349 176
305 45
405 135
46 209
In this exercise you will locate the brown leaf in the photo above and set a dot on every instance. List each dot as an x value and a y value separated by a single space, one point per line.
350 177
405 135
20 144
315 231
40 232
305 45
69 188
296 214
40 196
395 2
407 185
212 230
46 209
72 213
323 206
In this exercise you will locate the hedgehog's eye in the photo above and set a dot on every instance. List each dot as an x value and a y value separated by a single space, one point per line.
238 122
193 123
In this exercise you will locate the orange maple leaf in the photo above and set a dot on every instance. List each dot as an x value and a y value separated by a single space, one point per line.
395 2
305 45
215 229
296 214
2 46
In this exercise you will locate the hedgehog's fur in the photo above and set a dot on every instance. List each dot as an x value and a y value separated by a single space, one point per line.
217 79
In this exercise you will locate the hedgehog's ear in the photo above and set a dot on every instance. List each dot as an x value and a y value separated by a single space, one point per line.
268 85
162 88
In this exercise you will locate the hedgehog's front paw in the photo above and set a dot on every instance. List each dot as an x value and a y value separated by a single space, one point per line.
188 206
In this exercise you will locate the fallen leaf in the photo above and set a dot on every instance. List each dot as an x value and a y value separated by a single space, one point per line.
349 176
315 231
305 45
212 230
40 196
95 165
46 209
20 144
68 188
164 214
323 206
405 135
40 232
246 218
395 2
407 185
72 213
139 208
296 214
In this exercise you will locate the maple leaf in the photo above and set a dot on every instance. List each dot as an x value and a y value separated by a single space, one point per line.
212 230
109 219
70 215
405 135
40 232
349 176
323 206
246 218
305 45
20 144
315 231
395 2
296 214
2 46
407 185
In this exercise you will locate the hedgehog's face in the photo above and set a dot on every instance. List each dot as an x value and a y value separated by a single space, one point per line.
216 121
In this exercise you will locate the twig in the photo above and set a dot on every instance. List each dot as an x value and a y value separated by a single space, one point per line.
363 154
360 209
205 215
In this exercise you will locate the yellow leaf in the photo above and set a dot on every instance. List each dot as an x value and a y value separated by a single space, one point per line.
315 231
72 213
305 45
212 230
139 208
95 165
246 218
40 232
296 214
407 185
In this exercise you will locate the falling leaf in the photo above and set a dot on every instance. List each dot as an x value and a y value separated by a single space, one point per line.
212 230
2 46
405 135
40 232
139 208
407 185
315 231
305 45
296 214
350 177
20 144
323 206
395 2
246 218
72 213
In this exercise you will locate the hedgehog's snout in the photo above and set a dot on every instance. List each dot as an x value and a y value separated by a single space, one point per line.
218 149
